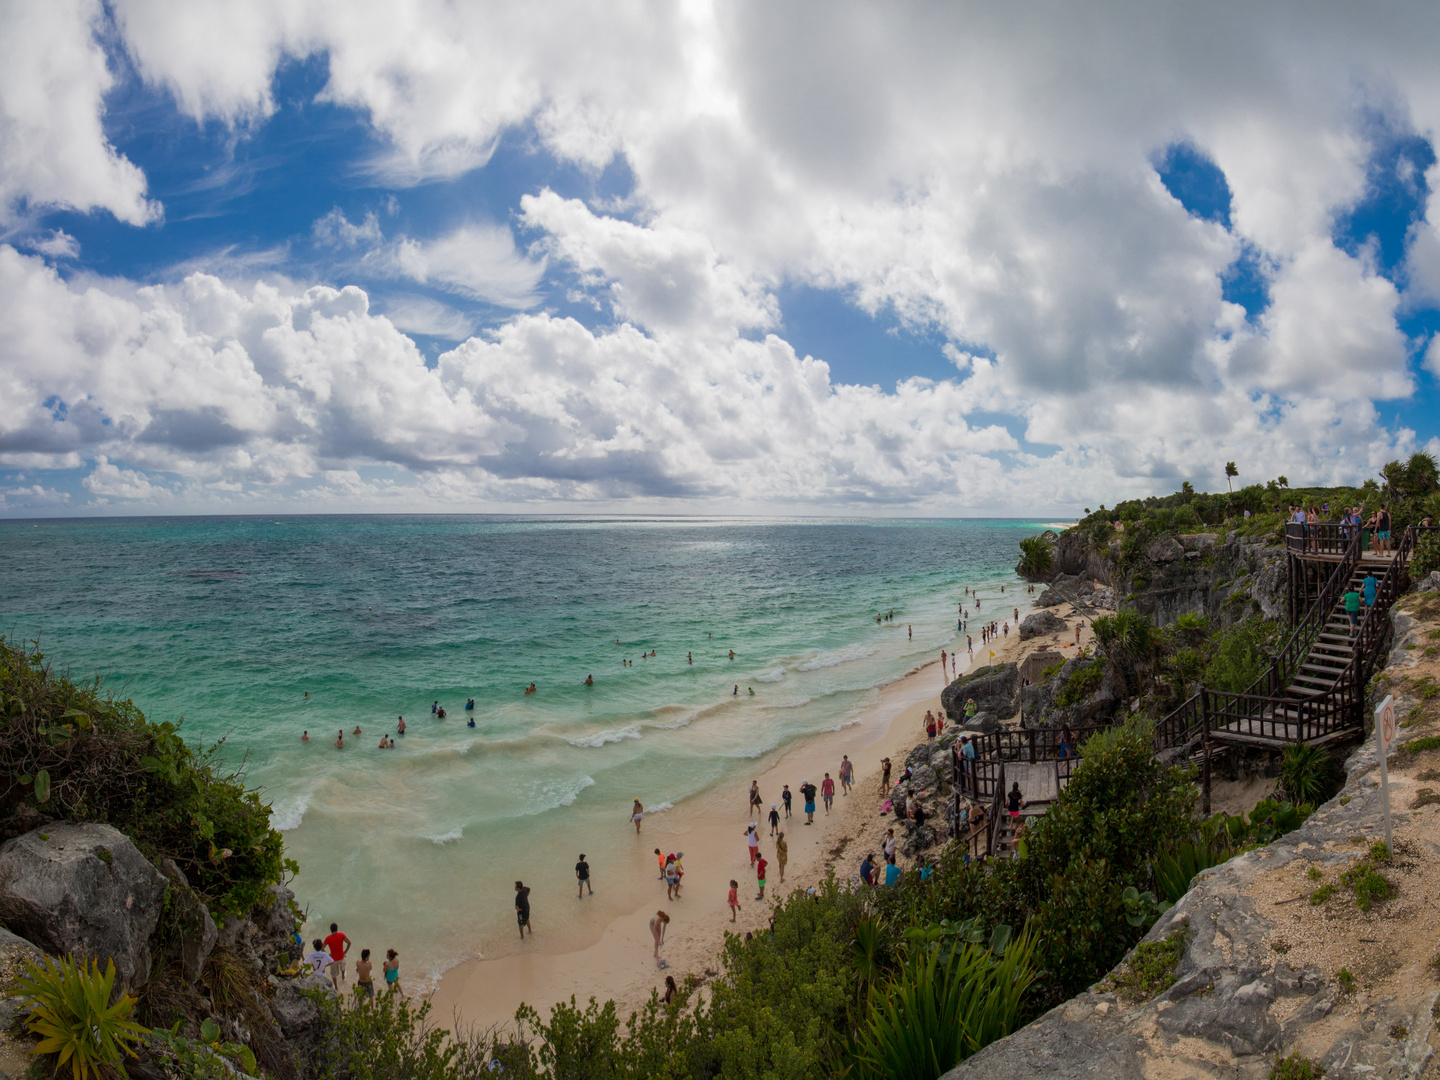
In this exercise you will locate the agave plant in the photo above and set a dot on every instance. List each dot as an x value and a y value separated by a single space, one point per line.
70 1010
943 1005
1308 774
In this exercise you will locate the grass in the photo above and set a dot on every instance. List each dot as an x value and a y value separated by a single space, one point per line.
1323 893
1424 797
1345 981
1399 1031
1367 883
1314 873
1417 746
1152 968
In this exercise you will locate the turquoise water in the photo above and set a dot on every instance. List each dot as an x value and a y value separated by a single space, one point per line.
229 622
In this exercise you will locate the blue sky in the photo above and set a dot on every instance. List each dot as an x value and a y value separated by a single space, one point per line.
609 281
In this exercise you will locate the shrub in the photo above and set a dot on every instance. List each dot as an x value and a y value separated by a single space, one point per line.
206 1058
1240 655
1296 1067
1083 682
1152 968
82 755
1426 556
1308 774
1367 883
71 1012
941 1007
386 1038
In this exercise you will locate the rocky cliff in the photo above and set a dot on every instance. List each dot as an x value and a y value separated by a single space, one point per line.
1290 949
1220 575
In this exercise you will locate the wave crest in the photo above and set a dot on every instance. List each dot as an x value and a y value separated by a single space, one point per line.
836 657
286 816
603 737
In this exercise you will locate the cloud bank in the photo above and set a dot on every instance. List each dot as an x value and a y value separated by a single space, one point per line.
977 175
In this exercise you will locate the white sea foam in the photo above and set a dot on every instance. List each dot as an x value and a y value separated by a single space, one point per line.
659 808
288 814
674 725
771 676
838 656
558 793
445 838
600 739
793 704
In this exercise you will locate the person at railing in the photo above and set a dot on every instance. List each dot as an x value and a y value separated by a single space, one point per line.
1312 519
1067 742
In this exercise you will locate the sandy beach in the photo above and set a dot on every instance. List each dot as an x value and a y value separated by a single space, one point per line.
710 831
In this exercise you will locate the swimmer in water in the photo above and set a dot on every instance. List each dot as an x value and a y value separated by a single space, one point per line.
752 690
470 722
689 659
305 736
356 731
589 680
732 654
307 693
736 691
434 707
340 740
384 743
400 726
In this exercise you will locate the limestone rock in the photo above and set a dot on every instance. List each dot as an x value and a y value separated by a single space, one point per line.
198 933
923 778
14 953
1431 582
920 755
982 723
1165 550
918 838
995 688
86 890
1042 624
1034 665
292 1010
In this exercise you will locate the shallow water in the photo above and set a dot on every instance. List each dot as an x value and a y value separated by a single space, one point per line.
228 622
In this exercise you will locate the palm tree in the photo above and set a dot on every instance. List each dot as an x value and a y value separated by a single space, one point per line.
1282 481
1395 479
1422 475
1230 473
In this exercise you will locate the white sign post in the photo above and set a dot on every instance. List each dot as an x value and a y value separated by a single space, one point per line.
1385 731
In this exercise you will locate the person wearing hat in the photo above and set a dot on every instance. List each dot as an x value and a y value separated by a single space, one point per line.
807 792
774 819
752 840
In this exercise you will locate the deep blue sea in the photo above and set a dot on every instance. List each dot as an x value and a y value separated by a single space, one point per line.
229 622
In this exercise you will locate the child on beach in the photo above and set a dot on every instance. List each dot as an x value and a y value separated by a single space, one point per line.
774 819
319 959
363 984
734 900
760 878
661 858
785 798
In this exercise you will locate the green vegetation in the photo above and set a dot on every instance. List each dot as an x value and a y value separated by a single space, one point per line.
1417 746
1152 968
205 1058
1241 654
70 1011
1367 883
1323 893
1296 1067
1083 682
1037 557
1345 981
74 752
1308 774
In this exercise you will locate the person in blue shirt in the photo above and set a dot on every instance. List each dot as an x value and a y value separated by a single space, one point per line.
1369 585
892 872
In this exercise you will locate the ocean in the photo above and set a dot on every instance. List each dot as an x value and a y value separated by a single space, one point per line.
227 624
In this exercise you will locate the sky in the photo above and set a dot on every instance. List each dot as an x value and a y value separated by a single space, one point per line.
913 259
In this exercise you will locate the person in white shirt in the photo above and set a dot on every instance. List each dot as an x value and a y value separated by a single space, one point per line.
319 959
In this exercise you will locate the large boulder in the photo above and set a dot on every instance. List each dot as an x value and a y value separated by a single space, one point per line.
293 1011
995 688
86 890
1042 624
983 722
1431 582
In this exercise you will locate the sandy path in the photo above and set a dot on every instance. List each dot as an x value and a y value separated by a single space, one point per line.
710 829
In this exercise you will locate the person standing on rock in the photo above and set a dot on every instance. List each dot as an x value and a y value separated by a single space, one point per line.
339 945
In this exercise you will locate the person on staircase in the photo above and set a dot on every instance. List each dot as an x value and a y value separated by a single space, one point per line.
1015 802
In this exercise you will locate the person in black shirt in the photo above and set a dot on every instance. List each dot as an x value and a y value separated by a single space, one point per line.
774 820
582 873
919 815
522 908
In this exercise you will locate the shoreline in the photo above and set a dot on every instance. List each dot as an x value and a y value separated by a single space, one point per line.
616 961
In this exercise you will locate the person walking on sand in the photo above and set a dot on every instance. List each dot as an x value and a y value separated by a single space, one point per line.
522 908
774 819
944 660
658 922
662 863
391 971
752 841
672 879
637 814
734 899
782 855
582 874
827 792
339 945
807 792
760 877
755 801
847 774
785 798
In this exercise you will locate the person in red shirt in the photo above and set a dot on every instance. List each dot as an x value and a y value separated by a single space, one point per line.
760 877
339 945
827 791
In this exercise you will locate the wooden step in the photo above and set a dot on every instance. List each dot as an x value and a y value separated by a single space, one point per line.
1321 669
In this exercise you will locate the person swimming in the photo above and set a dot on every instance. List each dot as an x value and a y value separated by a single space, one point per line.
589 680
400 726
340 740
356 731
470 705
470 722
304 736
441 714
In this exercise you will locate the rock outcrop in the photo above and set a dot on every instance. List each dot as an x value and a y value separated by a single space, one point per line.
86 890
995 689
1268 967
197 932
1042 624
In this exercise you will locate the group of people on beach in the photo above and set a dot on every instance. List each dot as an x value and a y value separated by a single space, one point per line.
328 957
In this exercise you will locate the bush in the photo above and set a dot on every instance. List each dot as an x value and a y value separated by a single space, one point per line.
1308 774
1296 1067
76 753
1152 968
1240 655
1427 555
71 1012
1083 682
386 1038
